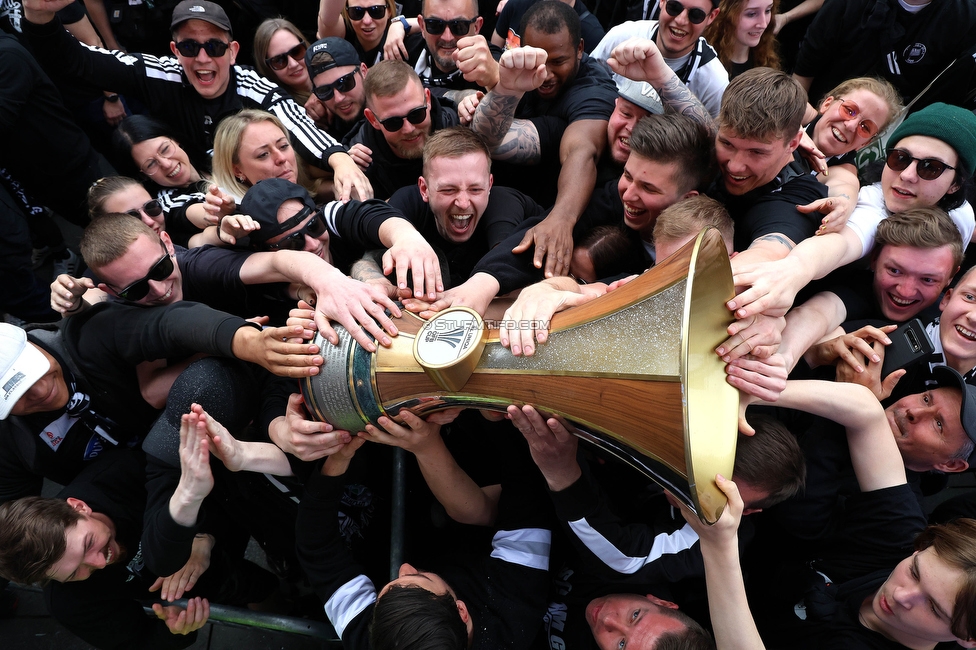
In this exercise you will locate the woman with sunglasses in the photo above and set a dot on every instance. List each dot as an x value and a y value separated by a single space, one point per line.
182 184
929 163
374 27
279 55
742 37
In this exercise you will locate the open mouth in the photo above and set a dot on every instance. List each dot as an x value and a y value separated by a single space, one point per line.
633 212
460 223
905 194
176 171
902 302
547 88
677 34
967 334
834 131
206 77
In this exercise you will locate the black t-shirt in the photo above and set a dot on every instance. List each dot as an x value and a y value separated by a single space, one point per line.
506 209
511 18
772 207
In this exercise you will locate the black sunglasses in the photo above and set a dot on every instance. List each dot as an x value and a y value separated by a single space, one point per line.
280 61
140 288
415 116
343 84
376 12
696 16
296 241
152 208
458 26
928 169
214 48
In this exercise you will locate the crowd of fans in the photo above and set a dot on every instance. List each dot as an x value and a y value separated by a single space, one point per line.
250 178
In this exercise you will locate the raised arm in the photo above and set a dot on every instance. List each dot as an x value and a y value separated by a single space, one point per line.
640 60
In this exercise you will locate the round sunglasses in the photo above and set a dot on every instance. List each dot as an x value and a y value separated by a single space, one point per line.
696 16
415 116
296 241
159 272
458 26
280 61
343 84
928 169
849 111
376 12
214 48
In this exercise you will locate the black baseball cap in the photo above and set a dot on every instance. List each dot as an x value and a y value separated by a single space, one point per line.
210 12
262 201
328 53
947 377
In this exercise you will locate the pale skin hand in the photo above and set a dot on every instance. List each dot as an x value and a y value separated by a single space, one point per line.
758 336
361 155
474 60
468 106
476 293
268 349
218 203
536 305
808 149
838 350
393 48
303 438
870 375
419 437
113 112
520 70
338 463
172 587
552 446
349 180
409 251
67 293
756 379
357 307
184 621
236 226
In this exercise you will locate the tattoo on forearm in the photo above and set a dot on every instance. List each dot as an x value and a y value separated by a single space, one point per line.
776 238
365 269
521 145
493 117
678 99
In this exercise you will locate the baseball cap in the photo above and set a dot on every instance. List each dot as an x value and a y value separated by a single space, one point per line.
328 53
947 377
640 93
210 12
262 201
21 365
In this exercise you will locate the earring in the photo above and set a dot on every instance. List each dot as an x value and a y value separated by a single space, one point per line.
240 179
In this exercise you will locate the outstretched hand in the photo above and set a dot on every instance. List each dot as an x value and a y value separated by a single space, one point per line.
184 621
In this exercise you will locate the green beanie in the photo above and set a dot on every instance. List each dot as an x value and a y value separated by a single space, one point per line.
953 125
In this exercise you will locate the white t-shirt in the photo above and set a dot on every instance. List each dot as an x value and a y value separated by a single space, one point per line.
706 76
870 210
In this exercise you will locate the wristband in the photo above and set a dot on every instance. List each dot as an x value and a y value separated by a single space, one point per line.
403 21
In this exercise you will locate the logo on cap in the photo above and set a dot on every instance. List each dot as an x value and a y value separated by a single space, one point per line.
197 9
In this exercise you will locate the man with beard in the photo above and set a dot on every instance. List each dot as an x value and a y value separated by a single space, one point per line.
401 114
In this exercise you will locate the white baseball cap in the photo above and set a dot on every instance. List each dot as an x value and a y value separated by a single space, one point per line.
21 365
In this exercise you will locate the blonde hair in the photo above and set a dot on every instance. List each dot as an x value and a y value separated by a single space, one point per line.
689 216
880 87
108 237
262 41
227 149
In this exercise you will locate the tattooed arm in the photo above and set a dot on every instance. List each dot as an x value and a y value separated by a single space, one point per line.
640 60
520 70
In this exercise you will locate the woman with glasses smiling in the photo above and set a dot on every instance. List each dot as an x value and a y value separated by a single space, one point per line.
182 186
374 27
279 55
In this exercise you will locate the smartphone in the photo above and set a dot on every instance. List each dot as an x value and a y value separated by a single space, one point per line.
909 345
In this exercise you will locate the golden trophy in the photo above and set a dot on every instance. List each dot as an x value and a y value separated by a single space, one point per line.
634 372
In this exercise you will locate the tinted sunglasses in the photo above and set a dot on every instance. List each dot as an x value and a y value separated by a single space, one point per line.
151 208
696 16
850 111
376 12
140 288
458 26
296 241
928 169
214 48
343 84
415 116
280 61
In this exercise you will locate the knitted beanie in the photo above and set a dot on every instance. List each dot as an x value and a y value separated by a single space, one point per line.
951 124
